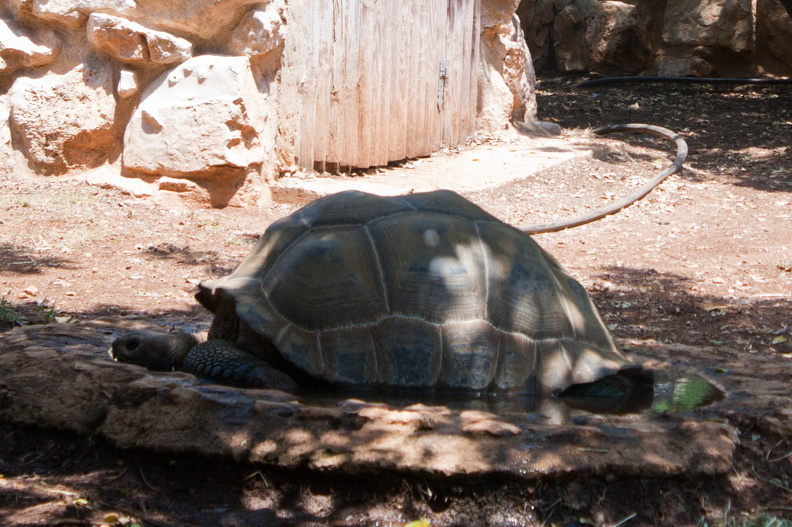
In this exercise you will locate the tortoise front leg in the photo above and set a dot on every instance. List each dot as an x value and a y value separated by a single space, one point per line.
224 362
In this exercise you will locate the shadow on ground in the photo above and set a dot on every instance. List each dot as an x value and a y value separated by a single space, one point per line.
23 260
746 125
647 304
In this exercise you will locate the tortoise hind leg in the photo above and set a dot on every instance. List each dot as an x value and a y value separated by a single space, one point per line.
628 391
224 362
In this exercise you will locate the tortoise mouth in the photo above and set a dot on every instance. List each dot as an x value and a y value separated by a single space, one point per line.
120 353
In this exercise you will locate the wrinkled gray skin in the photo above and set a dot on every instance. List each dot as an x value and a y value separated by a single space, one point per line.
218 360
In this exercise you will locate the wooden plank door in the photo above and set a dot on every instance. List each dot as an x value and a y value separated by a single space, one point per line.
385 80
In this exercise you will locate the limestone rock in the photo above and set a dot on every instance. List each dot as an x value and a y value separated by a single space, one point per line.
66 120
537 19
131 42
260 32
683 67
194 19
200 19
568 30
18 50
730 38
127 84
617 37
200 120
494 12
506 79
7 152
72 13
773 37
718 24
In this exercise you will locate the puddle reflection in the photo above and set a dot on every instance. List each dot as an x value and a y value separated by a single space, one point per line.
669 392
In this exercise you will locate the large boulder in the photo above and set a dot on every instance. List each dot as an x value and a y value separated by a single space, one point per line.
260 32
18 50
67 120
70 13
537 19
198 19
200 121
726 24
721 38
506 79
617 37
773 37
568 31
130 42
195 19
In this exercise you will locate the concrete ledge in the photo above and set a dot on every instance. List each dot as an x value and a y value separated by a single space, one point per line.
486 166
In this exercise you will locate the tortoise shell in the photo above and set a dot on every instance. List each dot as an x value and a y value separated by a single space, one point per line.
425 291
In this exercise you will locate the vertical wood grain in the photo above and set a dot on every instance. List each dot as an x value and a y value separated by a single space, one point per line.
373 75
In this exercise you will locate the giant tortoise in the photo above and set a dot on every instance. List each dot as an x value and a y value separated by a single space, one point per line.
419 292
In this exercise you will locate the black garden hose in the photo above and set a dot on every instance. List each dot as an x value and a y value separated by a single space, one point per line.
639 193
681 80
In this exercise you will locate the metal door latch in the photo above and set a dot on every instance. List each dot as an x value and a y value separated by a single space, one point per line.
444 71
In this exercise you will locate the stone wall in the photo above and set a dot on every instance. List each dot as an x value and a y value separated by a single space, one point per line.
718 38
183 99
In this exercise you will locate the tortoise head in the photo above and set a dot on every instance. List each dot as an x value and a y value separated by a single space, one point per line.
156 351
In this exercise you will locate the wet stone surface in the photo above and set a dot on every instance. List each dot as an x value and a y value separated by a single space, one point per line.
60 377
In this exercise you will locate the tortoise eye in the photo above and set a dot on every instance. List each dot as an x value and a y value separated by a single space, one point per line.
133 343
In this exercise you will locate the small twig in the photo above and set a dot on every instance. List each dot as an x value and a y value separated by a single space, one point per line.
138 516
625 520
52 490
121 475
549 510
28 462
595 450
149 485
260 475
726 513
772 482
767 456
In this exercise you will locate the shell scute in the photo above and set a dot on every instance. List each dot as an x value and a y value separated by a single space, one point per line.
431 266
470 355
329 280
408 352
347 357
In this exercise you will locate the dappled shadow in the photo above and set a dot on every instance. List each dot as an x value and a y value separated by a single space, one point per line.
647 304
23 260
416 453
22 313
320 476
81 479
749 126
185 255
181 435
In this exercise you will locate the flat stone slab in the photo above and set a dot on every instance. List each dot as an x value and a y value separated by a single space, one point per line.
482 167
60 376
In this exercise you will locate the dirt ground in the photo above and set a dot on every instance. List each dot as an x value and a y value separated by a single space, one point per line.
705 260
